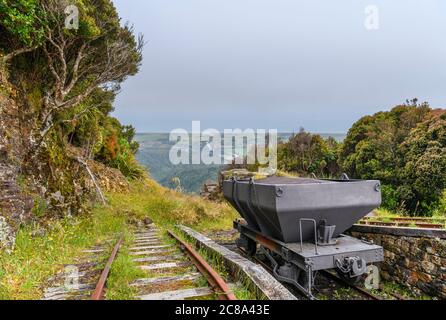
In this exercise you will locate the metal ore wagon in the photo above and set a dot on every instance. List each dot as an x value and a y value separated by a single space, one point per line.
299 225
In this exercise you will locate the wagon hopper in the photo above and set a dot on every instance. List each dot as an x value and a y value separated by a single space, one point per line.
298 224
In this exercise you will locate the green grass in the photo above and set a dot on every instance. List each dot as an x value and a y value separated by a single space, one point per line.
168 208
387 288
123 272
23 273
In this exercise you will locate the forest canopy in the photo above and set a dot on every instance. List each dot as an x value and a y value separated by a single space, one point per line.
405 148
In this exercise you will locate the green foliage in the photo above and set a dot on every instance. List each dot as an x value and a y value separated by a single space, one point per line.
40 207
118 149
71 67
440 211
307 153
389 197
424 171
405 148
21 20
128 133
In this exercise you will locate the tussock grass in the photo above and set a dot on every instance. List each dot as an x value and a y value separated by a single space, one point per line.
167 207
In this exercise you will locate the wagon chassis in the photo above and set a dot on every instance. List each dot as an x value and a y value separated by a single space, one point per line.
298 263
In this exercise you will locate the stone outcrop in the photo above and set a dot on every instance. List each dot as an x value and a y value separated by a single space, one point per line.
15 206
416 262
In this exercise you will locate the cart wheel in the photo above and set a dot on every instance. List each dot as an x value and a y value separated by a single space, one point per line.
251 248
346 277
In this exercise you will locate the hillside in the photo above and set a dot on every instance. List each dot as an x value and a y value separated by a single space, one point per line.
153 154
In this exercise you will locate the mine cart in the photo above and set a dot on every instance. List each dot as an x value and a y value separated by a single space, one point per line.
298 224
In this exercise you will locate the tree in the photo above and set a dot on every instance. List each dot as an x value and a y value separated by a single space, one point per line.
64 82
423 177
307 153
100 54
404 148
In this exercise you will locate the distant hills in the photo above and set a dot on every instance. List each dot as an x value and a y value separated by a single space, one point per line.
154 155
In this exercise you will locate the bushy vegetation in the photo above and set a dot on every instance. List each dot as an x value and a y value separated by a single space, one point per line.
405 148
307 153
64 82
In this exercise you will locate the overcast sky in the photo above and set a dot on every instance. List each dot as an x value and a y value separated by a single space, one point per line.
280 64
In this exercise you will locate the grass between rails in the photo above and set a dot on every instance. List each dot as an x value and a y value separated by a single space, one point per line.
383 215
39 255
123 272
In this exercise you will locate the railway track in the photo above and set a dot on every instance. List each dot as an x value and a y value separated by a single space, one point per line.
360 290
98 293
330 280
415 222
77 281
174 271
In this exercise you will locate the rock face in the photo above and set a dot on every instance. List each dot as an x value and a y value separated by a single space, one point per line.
15 207
419 263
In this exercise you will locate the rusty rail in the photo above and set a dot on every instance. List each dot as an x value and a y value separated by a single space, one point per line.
98 293
416 222
422 219
213 278
365 292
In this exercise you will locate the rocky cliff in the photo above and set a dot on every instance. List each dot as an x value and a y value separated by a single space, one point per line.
15 205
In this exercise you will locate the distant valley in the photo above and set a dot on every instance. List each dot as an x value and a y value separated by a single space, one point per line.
154 155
